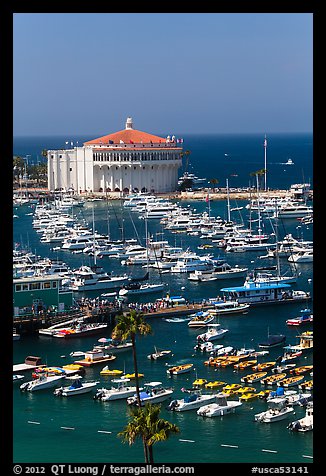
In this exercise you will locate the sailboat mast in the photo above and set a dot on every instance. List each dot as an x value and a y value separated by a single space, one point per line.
258 207
265 152
228 200
94 254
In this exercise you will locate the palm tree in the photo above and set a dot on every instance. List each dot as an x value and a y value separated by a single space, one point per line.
128 326
146 424
259 173
214 182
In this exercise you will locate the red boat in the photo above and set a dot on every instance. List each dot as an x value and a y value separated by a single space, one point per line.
306 317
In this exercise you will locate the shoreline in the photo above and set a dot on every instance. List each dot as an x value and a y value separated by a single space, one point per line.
189 195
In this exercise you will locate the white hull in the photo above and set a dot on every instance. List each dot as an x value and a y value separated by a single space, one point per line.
67 392
215 409
181 405
109 284
35 385
109 395
270 416
150 288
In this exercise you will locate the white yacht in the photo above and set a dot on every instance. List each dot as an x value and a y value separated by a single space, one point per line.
42 382
302 256
189 262
293 211
306 423
119 392
222 406
89 278
77 387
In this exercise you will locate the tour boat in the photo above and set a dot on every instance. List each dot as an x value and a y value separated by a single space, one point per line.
256 293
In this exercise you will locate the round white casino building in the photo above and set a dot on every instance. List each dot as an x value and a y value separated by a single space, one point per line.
125 161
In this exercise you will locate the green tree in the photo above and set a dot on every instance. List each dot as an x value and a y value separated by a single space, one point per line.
145 423
128 326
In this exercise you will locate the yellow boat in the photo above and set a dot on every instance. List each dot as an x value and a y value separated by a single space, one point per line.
308 385
264 393
231 386
243 390
179 369
199 382
231 360
301 370
73 367
246 363
291 381
251 378
131 376
111 372
248 396
215 384
273 379
264 366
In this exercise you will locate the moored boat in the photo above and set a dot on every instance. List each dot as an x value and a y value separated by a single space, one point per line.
301 370
306 423
273 379
306 317
122 391
191 402
264 366
77 387
154 393
291 381
94 357
251 378
221 407
179 369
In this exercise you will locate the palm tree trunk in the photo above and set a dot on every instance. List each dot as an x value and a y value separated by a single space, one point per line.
150 451
146 451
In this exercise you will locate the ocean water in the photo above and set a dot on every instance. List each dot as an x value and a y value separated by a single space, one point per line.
38 419
229 156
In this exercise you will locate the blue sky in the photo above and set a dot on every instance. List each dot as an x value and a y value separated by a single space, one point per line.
85 73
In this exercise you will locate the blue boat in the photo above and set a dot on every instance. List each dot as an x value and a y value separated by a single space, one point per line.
255 293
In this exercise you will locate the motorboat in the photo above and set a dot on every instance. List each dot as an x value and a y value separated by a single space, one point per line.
302 256
113 346
192 401
201 319
138 288
42 382
303 369
245 364
179 369
291 381
273 379
221 407
306 423
277 411
305 317
227 307
215 384
79 329
77 387
289 355
289 397
214 332
93 278
153 393
282 368
111 372
116 393
159 354
251 378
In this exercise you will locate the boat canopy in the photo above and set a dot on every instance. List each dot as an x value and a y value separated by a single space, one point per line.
257 286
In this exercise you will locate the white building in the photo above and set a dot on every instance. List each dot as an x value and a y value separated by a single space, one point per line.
125 161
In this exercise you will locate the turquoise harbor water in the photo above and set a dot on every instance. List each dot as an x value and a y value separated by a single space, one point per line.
91 436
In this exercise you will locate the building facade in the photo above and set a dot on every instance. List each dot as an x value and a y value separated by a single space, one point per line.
125 161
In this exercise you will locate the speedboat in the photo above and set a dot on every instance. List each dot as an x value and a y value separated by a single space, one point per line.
306 317
192 402
228 307
201 319
42 382
77 387
306 423
276 412
213 333
153 393
221 407
116 393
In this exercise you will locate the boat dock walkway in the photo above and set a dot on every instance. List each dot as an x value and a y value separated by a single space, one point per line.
178 310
